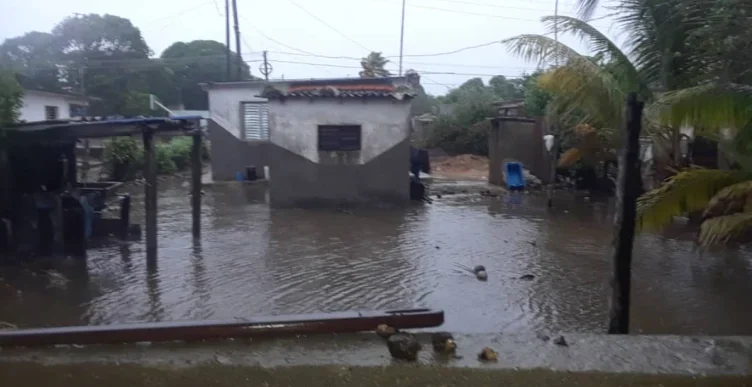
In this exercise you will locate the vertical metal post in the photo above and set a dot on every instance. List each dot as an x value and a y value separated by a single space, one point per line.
266 67
150 191
227 41
626 215
402 37
196 184
237 40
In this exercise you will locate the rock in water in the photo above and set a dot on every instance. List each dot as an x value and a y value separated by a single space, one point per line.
527 277
481 275
561 341
403 346
385 331
478 268
443 342
488 354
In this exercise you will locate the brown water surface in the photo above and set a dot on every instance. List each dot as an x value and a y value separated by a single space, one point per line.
256 261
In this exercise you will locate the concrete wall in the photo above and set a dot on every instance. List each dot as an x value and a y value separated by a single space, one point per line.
521 140
304 177
34 103
230 154
362 360
225 102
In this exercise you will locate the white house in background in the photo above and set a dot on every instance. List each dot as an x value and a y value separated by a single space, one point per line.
44 105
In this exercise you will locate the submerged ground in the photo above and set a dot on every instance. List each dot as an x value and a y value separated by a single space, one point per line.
256 261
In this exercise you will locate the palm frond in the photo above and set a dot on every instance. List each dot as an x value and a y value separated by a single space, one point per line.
600 46
730 200
686 192
708 105
725 229
540 49
568 158
586 8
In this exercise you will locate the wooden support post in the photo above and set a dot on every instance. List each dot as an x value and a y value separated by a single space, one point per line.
196 184
626 214
150 198
125 217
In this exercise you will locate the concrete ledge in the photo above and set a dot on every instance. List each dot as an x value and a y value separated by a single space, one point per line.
363 360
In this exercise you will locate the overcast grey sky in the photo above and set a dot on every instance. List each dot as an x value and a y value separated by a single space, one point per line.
349 28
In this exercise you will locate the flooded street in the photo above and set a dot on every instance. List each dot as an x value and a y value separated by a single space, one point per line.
257 261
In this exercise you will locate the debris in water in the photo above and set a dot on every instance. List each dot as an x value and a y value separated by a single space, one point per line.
488 354
438 196
527 277
561 341
533 243
57 279
385 331
482 275
403 346
437 247
478 268
443 342
543 336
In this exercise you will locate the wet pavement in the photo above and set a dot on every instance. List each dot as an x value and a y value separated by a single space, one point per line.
257 261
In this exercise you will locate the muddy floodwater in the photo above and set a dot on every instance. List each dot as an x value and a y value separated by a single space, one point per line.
255 261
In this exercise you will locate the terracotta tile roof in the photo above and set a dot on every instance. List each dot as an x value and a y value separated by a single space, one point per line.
354 90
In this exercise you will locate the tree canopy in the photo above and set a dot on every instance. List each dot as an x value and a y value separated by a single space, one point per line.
374 66
106 57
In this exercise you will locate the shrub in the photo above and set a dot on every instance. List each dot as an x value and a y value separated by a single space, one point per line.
180 151
122 157
165 158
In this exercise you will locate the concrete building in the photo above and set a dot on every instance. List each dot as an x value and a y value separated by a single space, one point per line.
520 140
43 105
327 142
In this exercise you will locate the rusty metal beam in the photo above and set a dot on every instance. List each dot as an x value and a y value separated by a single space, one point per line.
271 326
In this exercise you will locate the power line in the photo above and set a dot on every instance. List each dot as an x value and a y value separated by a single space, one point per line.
180 13
421 72
329 26
492 5
410 62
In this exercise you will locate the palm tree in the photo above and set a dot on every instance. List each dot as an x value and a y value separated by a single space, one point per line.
374 66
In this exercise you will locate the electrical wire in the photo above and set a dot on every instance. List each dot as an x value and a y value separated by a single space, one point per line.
329 26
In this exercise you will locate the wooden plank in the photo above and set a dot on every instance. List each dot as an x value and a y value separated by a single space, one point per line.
270 326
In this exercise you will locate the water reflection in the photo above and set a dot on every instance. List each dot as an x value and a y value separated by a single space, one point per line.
252 260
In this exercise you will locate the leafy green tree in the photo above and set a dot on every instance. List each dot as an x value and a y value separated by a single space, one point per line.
374 66
507 89
34 58
11 95
192 63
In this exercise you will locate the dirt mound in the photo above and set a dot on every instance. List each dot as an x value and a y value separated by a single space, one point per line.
461 167
463 163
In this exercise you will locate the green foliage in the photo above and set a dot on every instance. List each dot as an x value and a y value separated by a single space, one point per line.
374 66
464 131
536 98
124 156
164 155
11 98
199 61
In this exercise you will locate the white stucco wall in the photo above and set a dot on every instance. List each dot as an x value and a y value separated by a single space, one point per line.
294 123
224 105
34 103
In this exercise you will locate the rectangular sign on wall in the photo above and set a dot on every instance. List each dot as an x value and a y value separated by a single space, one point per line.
342 138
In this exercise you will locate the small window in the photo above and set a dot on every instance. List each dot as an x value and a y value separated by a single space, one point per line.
255 120
343 138
51 113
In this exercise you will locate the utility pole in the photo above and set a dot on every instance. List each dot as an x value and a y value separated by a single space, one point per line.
266 68
554 150
237 39
228 75
402 36
87 144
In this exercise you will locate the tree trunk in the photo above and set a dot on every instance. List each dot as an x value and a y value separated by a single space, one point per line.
626 214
